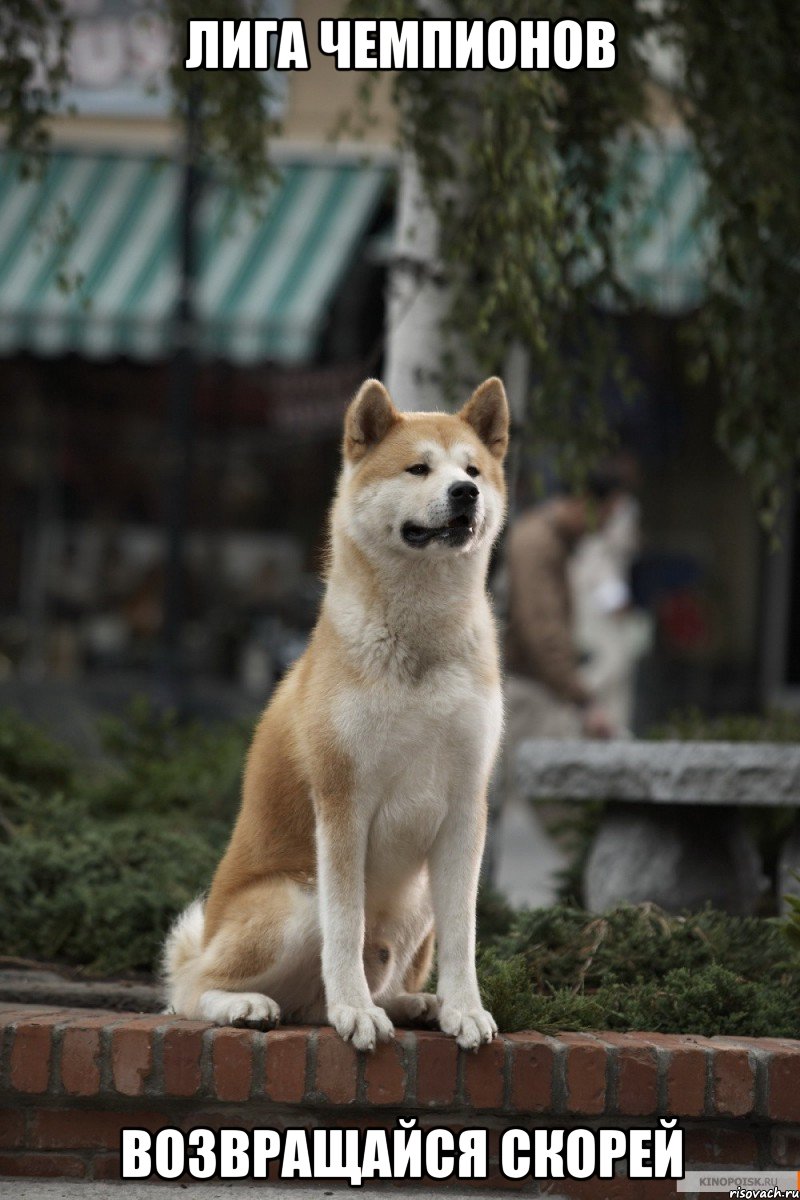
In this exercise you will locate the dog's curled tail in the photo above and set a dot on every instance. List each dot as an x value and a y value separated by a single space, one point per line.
182 950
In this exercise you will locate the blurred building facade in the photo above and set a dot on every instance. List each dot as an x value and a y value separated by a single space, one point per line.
291 315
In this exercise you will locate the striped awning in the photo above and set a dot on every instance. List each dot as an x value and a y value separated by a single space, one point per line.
662 243
88 257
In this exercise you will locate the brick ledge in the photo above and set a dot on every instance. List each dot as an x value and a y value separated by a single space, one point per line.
71 1078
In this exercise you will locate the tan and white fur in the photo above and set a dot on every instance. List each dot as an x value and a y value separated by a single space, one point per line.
363 813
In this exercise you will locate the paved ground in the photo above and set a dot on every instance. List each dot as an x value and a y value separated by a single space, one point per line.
55 1189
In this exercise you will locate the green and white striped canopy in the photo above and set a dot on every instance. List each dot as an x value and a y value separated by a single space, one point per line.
88 252
662 243
88 257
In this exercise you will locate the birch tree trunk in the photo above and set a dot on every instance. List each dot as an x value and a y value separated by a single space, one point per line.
417 299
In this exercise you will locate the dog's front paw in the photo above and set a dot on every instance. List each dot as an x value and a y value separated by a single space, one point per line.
469 1026
361 1026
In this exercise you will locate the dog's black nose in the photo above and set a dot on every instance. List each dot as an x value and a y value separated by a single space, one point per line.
462 494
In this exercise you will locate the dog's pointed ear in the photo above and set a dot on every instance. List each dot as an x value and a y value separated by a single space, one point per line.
487 412
369 418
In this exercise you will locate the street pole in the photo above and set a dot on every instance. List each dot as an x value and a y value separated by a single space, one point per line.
178 448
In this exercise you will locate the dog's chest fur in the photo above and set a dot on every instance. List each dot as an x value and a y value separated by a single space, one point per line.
415 747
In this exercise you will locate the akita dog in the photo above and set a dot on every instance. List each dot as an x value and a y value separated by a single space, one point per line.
363 814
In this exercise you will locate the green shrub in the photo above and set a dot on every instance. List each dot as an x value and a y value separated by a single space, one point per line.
95 863
792 923
567 947
160 765
692 725
708 1002
637 968
100 894
30 756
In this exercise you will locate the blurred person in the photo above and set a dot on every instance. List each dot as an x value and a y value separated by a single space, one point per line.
611 634
546 693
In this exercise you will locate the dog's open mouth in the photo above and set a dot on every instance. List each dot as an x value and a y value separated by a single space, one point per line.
456 532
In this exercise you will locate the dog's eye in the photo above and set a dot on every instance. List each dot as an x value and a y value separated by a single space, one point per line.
472 471
419 469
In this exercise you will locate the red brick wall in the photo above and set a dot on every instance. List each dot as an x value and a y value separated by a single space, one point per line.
71 1079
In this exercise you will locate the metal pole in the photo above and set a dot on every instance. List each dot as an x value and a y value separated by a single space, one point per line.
182 376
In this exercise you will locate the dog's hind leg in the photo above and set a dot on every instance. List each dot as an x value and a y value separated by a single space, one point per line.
261 959
412 1004
419 969
239 1008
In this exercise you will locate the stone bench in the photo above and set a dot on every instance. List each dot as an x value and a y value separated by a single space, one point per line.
672 832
